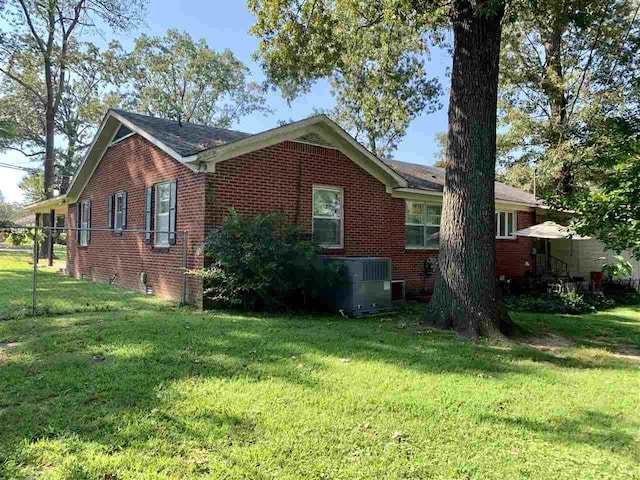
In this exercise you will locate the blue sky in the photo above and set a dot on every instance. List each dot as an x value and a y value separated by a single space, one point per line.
226 25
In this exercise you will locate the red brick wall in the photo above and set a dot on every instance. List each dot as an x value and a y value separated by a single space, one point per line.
282 176
131 166
512 254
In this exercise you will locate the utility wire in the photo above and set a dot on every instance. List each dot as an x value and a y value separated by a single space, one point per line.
18 167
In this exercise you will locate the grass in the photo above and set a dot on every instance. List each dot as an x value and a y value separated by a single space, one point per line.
159 392
57 294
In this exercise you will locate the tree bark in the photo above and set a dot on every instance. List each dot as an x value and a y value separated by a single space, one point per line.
554 88
465 295
68 164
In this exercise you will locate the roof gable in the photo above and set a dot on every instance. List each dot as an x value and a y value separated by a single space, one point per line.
201 147
186 139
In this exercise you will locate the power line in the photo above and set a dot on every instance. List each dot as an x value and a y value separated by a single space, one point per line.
18 167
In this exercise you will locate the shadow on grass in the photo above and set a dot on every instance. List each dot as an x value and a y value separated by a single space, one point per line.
90 374
588 427
615 330
57 295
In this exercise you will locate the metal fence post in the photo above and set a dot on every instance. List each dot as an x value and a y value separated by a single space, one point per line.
183 289
34 283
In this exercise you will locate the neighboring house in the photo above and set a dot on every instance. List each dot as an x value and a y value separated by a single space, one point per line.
148 173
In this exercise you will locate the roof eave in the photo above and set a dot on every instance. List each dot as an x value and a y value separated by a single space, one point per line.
404 192
318 124
45 206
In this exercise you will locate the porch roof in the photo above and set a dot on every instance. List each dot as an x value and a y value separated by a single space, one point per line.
552 231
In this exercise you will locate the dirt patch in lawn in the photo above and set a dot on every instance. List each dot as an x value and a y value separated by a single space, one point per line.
556 345
549 343
4 348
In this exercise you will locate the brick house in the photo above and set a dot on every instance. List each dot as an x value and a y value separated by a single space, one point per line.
145 173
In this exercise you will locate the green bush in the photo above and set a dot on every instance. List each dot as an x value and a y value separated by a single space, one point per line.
22 237
263 263
570 303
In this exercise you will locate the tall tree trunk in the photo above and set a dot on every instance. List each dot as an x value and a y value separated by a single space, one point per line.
465 294
68 164
554 79
555 91
49 161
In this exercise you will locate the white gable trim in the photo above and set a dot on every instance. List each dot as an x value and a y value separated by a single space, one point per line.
108 129
149 137
319 124
436 197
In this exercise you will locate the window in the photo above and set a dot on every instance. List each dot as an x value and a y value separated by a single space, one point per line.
84 222
506 225
422 225
163 204
120 211
328 216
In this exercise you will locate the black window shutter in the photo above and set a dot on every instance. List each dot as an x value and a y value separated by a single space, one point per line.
78 220
172 212
148 217
89 221
110 212
124 210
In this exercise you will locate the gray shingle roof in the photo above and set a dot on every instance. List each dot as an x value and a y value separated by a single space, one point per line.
426 177
186 139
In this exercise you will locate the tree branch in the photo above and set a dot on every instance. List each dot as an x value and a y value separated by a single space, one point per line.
589 61
34 154
32 27
24 85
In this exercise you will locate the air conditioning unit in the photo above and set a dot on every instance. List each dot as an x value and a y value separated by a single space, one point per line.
366 288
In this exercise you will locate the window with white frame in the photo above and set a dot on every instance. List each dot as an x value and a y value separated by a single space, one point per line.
422 225
120 211
506 224
84 223
328 216
163 204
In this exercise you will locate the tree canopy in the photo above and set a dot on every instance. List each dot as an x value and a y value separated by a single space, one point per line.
562 65
37 41
373 53
174 77
610 209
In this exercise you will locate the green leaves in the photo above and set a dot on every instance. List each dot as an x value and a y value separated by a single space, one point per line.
610 209
262 263
175 77
563 64
373 53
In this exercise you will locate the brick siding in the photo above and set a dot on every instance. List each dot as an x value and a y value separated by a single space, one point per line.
280 177
131 166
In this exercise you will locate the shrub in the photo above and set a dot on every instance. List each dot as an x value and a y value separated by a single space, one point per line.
570 303
21 237
264 263
618 268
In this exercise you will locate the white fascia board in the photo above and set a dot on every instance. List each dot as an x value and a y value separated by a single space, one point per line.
319 124
364 151
45 206
73 195
86 156
432 195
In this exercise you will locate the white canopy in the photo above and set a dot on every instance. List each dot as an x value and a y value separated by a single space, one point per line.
550 230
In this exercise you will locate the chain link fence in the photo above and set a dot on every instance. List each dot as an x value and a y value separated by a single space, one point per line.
92 269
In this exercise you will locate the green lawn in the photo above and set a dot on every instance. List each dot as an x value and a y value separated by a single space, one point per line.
57 294
153 391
